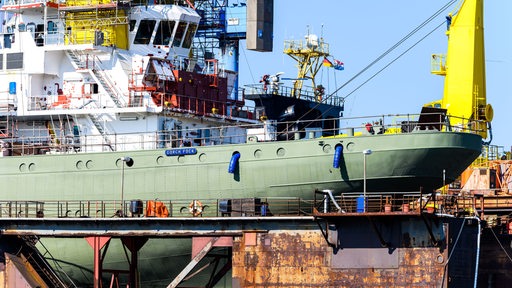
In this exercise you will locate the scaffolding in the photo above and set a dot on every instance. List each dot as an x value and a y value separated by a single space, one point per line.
101 22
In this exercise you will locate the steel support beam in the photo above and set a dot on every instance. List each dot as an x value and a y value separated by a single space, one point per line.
97 243
200 247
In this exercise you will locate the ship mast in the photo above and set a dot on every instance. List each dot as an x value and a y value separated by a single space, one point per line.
307 53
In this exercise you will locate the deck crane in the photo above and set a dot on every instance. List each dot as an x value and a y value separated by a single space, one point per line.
222 26
464 94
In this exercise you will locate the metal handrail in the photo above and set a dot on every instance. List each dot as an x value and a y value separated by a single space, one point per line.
413 202
40 141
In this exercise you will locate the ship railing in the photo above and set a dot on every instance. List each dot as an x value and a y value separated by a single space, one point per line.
489 154
65 140
53 38
306 46
240 207
88 35
376 202
24 2
183 103
404 123
365 126
86 101
7 102
393 202
307 93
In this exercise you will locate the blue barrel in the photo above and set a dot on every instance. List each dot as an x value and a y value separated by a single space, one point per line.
12 87
263 209
360 204
136 207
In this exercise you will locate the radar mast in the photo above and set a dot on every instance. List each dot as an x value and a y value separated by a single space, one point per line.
307 53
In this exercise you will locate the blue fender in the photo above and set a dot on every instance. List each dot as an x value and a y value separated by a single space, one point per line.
233 162
338 152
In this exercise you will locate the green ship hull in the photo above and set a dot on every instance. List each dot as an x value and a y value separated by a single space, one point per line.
398 163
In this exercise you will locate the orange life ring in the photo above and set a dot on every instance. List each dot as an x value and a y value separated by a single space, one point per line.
195 208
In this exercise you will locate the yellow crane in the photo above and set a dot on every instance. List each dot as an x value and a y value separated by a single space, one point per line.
464 96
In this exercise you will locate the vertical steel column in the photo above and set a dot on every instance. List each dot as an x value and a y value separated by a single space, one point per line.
134 244
97 243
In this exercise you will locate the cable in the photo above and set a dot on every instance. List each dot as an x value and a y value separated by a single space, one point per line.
375 74
392 61
392 48
414 31
453 248
502 248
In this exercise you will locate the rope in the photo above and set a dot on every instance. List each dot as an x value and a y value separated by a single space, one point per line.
456 241
453 249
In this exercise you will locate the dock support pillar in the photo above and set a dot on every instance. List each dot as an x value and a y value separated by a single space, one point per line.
97 243
134 244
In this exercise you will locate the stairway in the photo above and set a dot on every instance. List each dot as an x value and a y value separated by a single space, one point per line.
103 81
75 60
24 247
39 263
108 87
97 123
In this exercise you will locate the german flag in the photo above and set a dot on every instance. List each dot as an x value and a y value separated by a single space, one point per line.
327 63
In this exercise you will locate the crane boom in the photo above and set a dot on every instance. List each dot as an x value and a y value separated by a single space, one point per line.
464 95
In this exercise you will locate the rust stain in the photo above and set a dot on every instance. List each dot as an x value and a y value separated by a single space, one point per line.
302 258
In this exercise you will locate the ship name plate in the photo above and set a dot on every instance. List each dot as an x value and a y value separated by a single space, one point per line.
181 151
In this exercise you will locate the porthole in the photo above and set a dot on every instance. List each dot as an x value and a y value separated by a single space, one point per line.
281 152
351 146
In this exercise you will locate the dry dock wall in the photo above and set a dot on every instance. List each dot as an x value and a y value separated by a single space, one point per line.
304 259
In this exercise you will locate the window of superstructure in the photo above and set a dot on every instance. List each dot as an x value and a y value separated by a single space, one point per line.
144 32
51 27
31 27
1 61
164 32
14 61
189 36
39 34
132 24
179 34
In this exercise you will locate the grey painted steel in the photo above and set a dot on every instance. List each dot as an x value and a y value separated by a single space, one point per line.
151 227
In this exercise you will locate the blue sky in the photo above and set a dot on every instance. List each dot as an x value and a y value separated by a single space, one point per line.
360 31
